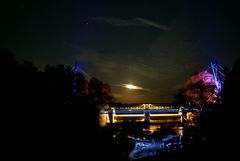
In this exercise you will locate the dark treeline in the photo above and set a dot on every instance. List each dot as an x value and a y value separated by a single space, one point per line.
227 116
216 137
50 114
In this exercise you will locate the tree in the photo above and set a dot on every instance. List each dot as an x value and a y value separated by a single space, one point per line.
231 104
99 92
232 85
180 99
200 89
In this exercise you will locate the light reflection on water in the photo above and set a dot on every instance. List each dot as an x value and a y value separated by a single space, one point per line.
150 140
152 146
178 129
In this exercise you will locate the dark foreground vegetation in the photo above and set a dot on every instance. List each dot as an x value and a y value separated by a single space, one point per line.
53 115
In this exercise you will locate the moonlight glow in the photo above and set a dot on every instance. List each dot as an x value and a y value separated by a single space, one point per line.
130 86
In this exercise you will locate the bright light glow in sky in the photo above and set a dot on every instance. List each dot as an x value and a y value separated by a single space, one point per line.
130 86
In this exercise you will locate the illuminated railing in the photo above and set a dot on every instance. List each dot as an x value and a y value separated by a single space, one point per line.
141 108
145 112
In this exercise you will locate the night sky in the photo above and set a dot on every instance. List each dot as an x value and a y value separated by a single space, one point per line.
155 45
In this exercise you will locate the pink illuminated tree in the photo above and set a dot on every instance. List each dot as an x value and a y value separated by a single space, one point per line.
200 89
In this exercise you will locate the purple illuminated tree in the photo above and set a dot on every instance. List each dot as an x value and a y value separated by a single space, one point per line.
200 90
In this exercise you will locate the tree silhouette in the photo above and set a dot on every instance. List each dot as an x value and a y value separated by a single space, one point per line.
232 86
180 99
99 92
230 114
220 144
42 112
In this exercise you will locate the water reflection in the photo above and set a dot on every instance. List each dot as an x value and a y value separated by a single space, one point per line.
146 148
178 129
137 138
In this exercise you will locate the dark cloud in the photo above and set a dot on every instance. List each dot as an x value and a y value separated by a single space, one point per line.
114 21
137 22
153 24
